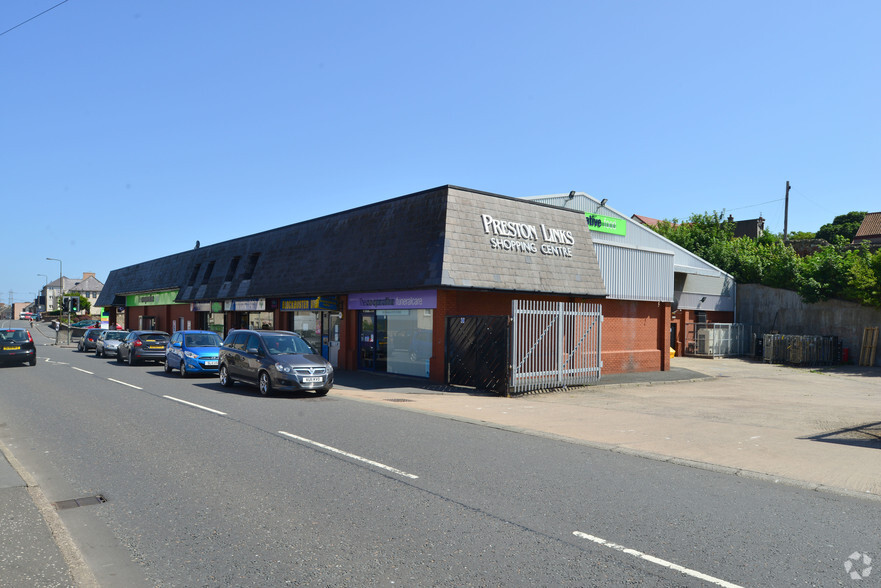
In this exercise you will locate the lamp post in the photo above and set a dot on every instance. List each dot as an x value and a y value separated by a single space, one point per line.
45 291
60 294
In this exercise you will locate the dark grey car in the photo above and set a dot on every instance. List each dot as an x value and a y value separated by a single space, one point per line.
273 360
141 346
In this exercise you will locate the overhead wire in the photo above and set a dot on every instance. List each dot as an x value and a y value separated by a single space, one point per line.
33 17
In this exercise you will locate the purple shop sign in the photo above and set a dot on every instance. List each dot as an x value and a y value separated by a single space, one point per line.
393 300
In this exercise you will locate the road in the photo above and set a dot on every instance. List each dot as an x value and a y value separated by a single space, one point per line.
206 486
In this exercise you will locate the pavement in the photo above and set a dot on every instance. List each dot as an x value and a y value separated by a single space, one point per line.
815 428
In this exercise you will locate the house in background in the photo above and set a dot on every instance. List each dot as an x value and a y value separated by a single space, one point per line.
870 229
89 286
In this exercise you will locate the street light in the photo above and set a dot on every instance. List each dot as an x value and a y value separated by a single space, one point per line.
45 291
58 298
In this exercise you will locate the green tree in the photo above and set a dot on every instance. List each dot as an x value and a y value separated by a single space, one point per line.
845 225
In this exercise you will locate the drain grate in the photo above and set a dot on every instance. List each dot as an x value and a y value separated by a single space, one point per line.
76 502
398 400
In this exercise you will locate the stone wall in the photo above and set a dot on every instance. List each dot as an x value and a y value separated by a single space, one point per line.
772 310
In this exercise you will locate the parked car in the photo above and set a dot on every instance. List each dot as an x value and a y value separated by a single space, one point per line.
25 315
108 342
17 346
86 324
141 346
89 339
193 352
273 360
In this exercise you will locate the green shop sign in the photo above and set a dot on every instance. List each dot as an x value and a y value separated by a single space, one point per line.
152 299
606 224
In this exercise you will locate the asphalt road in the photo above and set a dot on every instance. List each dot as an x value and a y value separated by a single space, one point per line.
210 487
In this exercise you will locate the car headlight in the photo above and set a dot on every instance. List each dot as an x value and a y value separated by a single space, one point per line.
282 367
191 355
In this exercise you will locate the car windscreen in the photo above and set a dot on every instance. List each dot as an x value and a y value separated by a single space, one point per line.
286 344
202 340
118 335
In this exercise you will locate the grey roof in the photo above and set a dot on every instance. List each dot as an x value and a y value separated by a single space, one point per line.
429 239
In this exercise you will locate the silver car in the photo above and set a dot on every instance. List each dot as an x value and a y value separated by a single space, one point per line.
107 343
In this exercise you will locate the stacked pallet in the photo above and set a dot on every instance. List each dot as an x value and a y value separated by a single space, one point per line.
870 345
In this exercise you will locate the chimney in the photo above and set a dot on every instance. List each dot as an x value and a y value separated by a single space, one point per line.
87 275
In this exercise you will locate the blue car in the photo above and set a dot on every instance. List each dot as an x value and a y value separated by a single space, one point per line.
193 352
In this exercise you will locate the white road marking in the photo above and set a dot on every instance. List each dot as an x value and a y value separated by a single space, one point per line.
84 371
195 405
124 384
657 560
349 455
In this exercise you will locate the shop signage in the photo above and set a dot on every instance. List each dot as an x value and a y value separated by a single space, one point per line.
320 303
525 238
151 299
393 300
245 304
606 224
206 307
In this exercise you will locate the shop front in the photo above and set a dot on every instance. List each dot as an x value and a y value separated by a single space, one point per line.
395 331
249 313
317 320
209 316
157 311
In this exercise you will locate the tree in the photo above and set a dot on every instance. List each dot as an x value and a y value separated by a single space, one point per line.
845 225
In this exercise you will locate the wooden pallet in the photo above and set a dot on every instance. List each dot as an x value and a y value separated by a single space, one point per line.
870 346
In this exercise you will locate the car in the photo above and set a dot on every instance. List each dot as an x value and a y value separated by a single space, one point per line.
89 339
193 352
141 346
108 342
17 346
86 324
273 360
25 315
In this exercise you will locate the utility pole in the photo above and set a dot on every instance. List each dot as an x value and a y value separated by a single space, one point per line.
786 213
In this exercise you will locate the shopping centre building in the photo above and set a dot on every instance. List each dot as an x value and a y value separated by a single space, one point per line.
372 287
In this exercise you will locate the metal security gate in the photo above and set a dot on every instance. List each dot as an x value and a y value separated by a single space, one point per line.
477 352
554 344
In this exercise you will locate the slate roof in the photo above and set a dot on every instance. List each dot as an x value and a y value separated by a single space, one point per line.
429 239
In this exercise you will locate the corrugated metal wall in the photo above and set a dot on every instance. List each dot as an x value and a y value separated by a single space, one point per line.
635 274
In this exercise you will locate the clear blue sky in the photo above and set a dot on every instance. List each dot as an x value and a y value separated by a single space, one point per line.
132 129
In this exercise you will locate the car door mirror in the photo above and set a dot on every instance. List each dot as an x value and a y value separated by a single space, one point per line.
253 350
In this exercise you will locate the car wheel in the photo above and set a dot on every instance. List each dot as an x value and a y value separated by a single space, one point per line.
33 361
131 359
265 384
321 392
79 346
167 367
183 369
118 356
225 380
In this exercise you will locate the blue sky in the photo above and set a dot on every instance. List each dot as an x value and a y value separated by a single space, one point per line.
132 129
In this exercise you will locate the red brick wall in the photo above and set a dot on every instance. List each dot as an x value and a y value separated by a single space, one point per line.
165 315
684 317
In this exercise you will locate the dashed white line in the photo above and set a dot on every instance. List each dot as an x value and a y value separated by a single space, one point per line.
195 405
126 384
84 371
657 560
349 455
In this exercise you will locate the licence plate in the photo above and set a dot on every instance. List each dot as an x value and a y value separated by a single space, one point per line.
11 348
312 379
211 362
156 347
